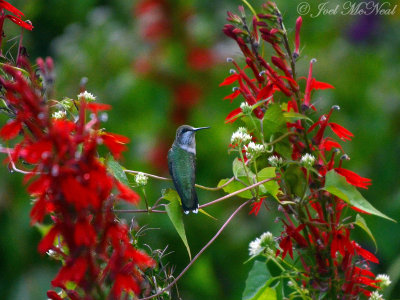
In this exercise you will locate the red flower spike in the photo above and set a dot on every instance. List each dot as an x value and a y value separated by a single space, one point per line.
354 178
124 283
231 116
84 234
127 194
299 22
340 131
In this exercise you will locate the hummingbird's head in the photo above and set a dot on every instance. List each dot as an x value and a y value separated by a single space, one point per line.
185 136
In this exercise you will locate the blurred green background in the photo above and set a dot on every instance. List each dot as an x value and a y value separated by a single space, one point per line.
159 63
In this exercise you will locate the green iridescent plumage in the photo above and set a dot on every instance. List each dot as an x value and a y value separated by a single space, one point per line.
182 166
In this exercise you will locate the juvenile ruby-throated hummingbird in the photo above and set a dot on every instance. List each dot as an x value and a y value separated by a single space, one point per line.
182 166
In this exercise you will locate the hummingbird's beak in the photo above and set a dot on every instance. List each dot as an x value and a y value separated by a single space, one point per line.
200 128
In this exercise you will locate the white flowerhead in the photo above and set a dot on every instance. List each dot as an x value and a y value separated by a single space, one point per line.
240 136
375 296
384 280
87 96
307 160
141 179
253 150
59 114
275 161
246 108
265 241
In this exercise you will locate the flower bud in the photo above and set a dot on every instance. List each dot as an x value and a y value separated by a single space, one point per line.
141 179
89 97
241 136
307 160
246 108
275 161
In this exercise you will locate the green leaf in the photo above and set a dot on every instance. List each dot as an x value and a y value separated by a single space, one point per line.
274 120
294 116
238 168
235 186
207 214
360 222
295 180
337 185
174 212
271 187
116 170
257 282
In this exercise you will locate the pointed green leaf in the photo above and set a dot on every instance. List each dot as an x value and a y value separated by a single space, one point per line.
337 185
174 212
235 186
257 283
271 187
116 170
274 120
207 214
360 222
294 116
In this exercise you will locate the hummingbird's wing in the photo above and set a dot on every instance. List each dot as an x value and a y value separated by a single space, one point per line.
182 167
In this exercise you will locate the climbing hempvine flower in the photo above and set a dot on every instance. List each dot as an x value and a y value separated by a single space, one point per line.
246 109
87 96
384 280
58 114
254 150
240 136
275 161
141 179
307 160
376 296
265 241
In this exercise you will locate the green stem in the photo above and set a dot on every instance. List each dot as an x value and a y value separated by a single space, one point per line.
247 172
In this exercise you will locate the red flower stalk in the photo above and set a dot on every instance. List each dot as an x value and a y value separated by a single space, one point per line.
69 182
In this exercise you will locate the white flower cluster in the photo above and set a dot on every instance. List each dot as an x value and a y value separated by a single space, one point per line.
88 96
260 243
253 150
59 114
384 280
246 108
275 161
375 296
141 179
307 160
240 136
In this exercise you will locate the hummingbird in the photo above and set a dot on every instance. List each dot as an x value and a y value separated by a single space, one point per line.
182 166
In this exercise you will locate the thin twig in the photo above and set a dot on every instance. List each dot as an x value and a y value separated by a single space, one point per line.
169 179
139 211
198 254
237 192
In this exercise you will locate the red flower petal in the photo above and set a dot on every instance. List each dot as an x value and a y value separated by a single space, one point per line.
318 85
19 22
127 194
231 116
11 130
230 79
71 272
233 95
256 207
47 242
354 178
96 107
9 7
340 131
53 295
265 92
366 254
327 144
84 234
126 283
115 143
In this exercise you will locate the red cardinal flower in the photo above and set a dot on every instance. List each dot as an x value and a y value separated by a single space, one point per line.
354 178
